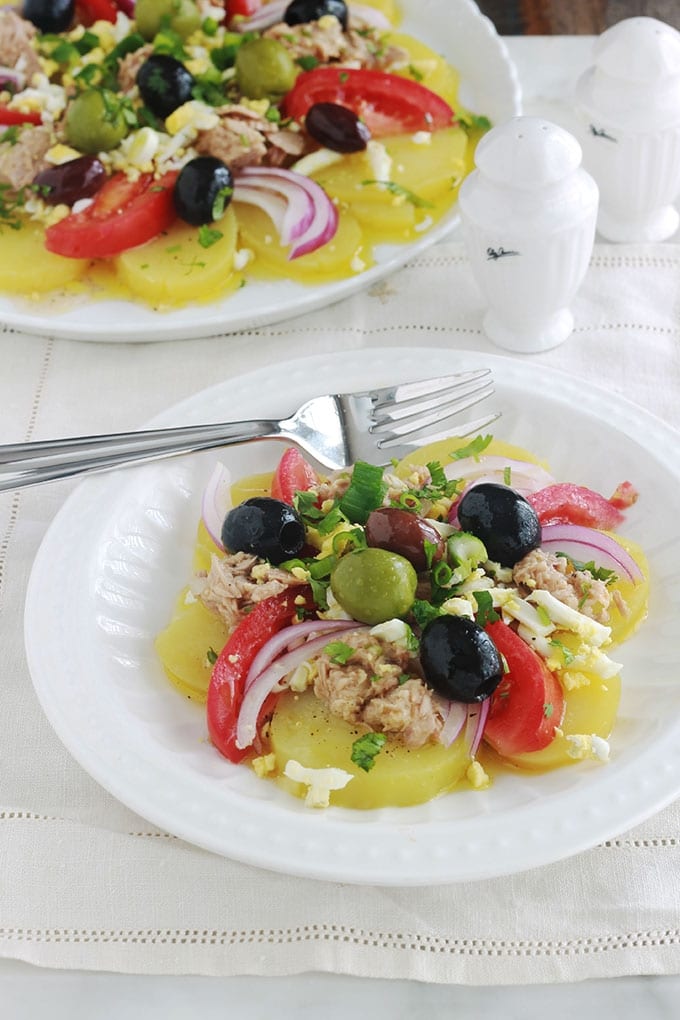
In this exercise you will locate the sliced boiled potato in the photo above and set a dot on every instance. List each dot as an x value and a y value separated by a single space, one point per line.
424 172
26 267
176 268
303 729
589 710
187 645
427 67
342 256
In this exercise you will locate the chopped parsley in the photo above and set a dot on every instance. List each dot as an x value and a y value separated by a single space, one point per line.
207 236
221 202
307 62
485 610
366 748
424 612
567 654
473 122
548 709
401 192
472 449
339 652
212 656
598 573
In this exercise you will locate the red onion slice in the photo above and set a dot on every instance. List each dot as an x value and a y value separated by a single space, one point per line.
455 719
262 685
216 503
311 218
477 715
524 476
587 544
12 77
289 204
288 638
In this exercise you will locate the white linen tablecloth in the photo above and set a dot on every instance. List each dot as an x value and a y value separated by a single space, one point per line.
85 883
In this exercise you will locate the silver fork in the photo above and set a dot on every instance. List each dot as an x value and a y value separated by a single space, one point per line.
337 430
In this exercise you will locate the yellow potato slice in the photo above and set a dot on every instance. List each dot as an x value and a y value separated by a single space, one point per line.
175 268
303 729
340 257
26 267
187 644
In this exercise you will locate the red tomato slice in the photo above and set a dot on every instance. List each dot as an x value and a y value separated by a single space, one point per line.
123 215
566 503
387 103
8 118
624 495
528 704
226 689
90 11
294 474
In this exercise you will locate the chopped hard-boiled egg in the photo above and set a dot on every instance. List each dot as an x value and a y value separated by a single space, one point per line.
320 782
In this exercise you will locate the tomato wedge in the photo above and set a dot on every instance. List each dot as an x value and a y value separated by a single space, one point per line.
241 8
293 474
123 215
528 704
566 503
386 103
8 118
90 11
227 682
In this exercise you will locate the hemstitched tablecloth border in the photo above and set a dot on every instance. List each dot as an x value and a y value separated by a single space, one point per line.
85 883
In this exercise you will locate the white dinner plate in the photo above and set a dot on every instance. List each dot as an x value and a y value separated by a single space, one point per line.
489 86
108 572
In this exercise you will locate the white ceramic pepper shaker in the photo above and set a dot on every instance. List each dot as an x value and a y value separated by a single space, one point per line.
628 105
528 214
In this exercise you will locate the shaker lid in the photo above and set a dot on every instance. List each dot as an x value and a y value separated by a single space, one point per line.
639 50
527 152
634 81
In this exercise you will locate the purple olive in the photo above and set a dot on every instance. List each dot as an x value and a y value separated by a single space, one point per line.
336 127
69 182
403 532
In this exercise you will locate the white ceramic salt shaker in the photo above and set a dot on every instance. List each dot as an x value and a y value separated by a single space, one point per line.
628 105
528 214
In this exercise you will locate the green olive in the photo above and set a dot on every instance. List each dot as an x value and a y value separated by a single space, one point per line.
264 69
374 585
182 16
94 121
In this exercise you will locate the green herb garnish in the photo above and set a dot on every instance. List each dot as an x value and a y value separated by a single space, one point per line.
207 236
366 748
401 192
339 652
485 610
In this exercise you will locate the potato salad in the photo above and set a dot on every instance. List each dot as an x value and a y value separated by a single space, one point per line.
382 636
173 150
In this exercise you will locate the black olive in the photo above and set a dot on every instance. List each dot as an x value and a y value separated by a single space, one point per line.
299 12
68 182
336 127
203 190
49 15
164 84
503 520
459 659
266 527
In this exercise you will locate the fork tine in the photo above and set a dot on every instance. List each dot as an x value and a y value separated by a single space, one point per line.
415 410
402 393
416 421
400 448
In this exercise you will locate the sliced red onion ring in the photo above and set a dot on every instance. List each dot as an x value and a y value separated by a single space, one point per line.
310 220
289 638
263 684
587 544
216 503
455 719
10 76
524 476
477 715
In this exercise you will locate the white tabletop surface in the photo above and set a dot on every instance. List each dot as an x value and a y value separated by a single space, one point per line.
547 67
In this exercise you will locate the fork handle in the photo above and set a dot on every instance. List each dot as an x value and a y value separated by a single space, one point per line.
24 464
